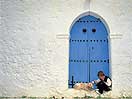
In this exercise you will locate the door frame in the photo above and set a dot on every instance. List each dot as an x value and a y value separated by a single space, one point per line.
108 31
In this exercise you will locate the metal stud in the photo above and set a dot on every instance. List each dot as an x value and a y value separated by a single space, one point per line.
98 19
84 30
108 60
93 30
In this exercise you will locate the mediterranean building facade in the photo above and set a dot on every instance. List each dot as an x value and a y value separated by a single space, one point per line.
48 45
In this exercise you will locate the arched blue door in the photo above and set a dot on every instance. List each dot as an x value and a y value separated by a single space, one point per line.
89 50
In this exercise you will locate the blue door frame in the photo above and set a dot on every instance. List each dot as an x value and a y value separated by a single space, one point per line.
89 50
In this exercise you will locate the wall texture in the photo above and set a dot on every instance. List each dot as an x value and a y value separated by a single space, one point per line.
34 45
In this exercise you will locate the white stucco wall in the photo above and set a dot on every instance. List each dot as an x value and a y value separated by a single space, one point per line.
34 45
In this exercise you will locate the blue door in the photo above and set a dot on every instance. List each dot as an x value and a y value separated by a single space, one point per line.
89 50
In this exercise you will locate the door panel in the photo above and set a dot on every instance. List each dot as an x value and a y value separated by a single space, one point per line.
78 69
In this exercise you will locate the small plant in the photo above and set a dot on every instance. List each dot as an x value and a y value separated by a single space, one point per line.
32 97
126 97
86 97
24 96
76 98
99 97
50 97
1 97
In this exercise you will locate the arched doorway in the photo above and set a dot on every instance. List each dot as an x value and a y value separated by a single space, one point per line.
89 50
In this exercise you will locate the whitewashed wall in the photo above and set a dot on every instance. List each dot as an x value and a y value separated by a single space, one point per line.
34 54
